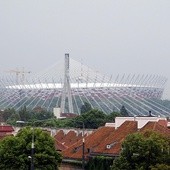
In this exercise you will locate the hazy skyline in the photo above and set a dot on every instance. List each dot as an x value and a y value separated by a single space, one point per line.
130 37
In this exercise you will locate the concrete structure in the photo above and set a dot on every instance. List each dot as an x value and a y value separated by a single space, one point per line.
141 121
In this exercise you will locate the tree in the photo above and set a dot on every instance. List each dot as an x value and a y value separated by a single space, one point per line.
111 117
7 113
13 118
124 112
143 151
24 114
92 119
85 108
160 167
41 113
15 151
99 163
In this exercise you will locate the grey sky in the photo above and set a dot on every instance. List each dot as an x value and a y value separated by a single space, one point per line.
114 36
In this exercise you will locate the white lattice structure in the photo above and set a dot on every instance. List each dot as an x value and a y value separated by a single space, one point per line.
70 85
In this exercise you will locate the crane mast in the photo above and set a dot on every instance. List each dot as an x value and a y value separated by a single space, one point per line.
20 75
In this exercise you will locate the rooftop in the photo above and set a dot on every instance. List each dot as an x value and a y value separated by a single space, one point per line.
6 128
108 140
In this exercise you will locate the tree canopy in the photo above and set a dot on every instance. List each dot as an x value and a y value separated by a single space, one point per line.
24 114
92 119
143 151
123 111
15 151
85 108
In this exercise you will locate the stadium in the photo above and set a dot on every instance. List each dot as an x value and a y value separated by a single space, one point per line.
67 85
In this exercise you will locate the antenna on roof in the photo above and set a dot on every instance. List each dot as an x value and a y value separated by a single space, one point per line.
150 113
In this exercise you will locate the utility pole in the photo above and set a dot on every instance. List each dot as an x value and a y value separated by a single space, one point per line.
83 158
32 149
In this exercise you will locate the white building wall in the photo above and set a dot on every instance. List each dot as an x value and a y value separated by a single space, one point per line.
57 112
141 121
120 120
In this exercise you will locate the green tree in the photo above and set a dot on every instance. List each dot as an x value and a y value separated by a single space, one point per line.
92 119
42 115
99 163
124 112
24 114
160 167
7 113
14 151
39 113
13 118
111 117
141 151
86 107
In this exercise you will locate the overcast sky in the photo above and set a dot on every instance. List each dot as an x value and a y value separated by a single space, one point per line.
114 36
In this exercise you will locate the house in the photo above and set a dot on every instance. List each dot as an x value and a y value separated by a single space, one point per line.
107 140
65 138
59 115
6 130
91 141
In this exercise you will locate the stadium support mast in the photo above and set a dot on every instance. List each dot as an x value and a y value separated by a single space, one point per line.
66 94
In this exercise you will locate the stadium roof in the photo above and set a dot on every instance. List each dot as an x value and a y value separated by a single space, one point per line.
69 84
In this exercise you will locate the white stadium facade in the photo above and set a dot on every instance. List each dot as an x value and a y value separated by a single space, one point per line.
69 84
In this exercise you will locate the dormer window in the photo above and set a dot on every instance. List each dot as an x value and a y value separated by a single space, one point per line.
109 146
77 148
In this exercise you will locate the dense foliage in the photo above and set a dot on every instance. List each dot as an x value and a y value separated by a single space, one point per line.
99 163
85 108
144 152
15 151
123 111
11 116
92 119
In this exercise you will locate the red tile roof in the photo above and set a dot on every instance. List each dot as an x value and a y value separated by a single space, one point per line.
59 146
60 135
68 115
69 138
6 128
163 122
91 141
107 140
114 140
156 126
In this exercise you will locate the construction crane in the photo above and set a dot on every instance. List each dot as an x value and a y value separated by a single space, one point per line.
20 74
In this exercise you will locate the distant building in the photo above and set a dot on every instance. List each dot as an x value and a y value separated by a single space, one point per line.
59 115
